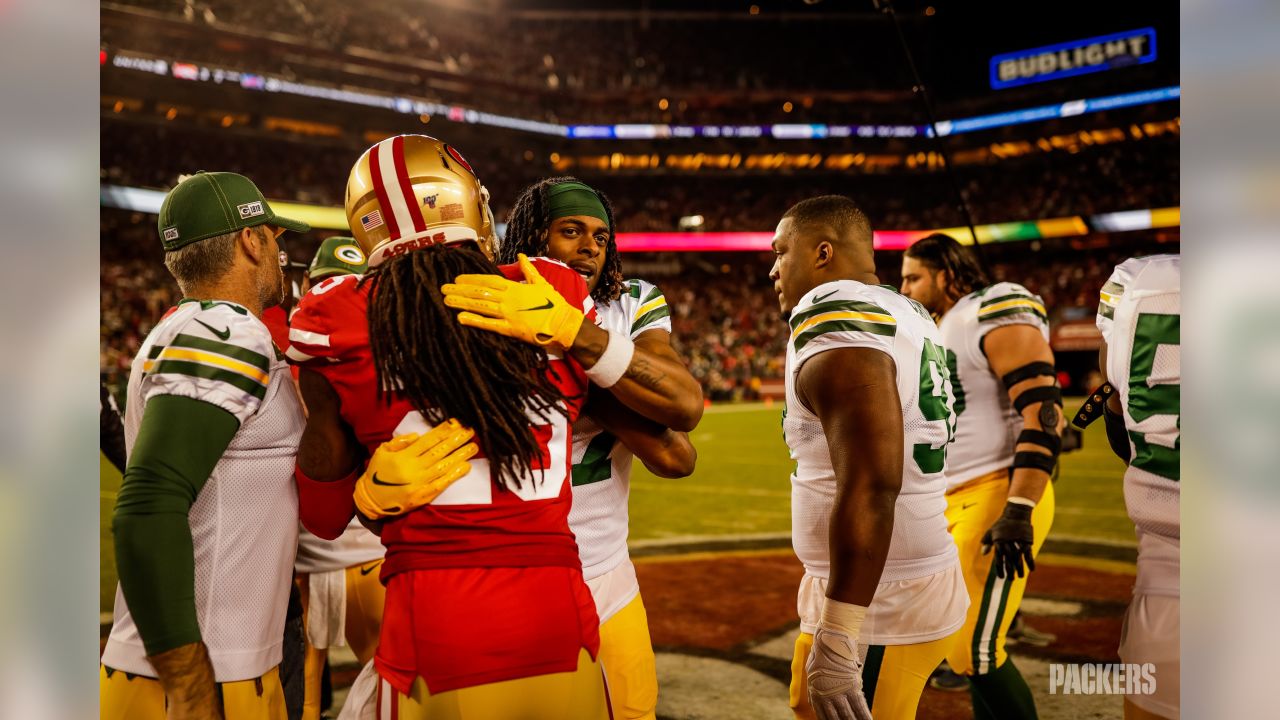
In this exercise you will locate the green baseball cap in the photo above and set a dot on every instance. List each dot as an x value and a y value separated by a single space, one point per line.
208 204
338 255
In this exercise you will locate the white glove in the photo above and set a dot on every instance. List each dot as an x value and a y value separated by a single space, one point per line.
834 670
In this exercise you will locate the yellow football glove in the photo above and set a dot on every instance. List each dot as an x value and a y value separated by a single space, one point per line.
531 311
409 471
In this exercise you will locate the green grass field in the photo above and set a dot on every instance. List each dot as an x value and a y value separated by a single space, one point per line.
741 484
741 487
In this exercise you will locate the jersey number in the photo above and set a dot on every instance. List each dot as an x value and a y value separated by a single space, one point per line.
957 390
936 402
476 487
1147 400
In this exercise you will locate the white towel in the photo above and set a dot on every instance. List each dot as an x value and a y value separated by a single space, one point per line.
327 609
362 699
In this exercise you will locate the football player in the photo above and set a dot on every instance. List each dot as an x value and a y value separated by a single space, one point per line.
569 221
1140 316
204 524
868 419
1008 436
342 596
486 614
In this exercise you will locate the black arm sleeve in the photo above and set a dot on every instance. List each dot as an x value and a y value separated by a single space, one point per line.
111 431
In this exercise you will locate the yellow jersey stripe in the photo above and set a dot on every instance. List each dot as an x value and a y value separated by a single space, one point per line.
651 305
208 358
844 315
1018 302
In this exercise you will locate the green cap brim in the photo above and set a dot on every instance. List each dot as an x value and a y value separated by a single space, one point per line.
290 224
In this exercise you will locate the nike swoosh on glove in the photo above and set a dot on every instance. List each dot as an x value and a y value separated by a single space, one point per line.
409 471
532 311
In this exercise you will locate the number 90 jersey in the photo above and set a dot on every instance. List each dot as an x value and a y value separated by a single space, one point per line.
1140 316
850 314
473 523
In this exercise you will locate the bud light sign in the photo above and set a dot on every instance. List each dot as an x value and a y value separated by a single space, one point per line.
1076 57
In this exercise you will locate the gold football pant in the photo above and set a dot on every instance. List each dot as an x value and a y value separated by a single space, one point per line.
141 698
626 653
365 598
576 695
972 509
893 676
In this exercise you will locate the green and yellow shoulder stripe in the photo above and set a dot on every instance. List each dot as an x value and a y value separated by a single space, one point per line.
214 347
840 316
651 307
1109 298
1008 300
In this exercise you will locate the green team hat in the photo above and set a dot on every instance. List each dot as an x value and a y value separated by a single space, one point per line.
338 255
208 204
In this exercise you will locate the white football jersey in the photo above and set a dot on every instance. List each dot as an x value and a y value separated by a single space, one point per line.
850 314
1140 316
244 521
601 464
987 425
356 546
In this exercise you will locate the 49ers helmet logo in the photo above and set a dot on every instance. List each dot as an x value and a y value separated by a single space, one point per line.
458 156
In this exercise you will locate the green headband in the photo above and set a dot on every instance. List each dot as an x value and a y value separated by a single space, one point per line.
574 198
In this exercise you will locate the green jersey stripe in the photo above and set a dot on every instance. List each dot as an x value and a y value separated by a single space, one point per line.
1107 311
831 326
1113 288
832 305
242 354
654 294
207 304
1004 298
650 318
595 465
1022 309
192 369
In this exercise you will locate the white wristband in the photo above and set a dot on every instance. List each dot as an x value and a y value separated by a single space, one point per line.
614 361
844 617
1017 500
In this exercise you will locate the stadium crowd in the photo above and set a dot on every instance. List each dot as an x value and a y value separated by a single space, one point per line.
725 317
1120 176
571 67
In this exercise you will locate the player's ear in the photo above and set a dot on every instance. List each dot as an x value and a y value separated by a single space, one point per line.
825 252
252 244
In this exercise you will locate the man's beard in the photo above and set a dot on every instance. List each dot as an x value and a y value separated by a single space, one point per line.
274 292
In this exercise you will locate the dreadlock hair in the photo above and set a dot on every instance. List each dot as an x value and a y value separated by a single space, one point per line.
529 223
489 382
942 252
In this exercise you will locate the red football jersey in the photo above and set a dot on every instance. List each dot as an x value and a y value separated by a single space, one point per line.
474 523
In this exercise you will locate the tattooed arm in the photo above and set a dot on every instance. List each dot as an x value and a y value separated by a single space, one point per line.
665 452
657 384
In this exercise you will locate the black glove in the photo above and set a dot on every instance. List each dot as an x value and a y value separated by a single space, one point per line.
1012 538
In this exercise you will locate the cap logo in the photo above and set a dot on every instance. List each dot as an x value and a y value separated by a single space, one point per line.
170 234
349 254
251 209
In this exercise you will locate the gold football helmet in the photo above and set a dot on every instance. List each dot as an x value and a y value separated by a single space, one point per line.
414 191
